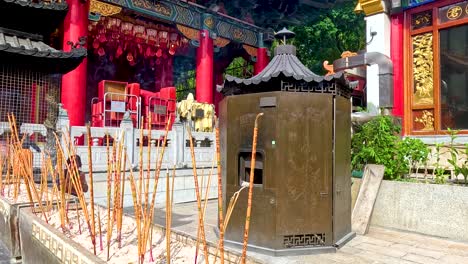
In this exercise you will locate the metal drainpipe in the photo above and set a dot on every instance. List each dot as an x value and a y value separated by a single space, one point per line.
385 74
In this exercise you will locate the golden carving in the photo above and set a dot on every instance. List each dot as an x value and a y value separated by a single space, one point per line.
329 68
370 7
423 69
104 9
221 42
252 51
427 119
162 9
423 19
454 12
209 22
347 54
238 34
189 33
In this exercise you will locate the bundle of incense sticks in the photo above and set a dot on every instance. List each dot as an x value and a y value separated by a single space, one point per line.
18 167
201 225
144 207
22 167
71 181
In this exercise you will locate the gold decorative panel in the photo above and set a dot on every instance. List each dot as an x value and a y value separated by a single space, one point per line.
371 7
423 69
188 32
422 19
423 120
221 42
252 51
104 9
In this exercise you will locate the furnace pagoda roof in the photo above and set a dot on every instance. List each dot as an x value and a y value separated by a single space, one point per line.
285 67
286 63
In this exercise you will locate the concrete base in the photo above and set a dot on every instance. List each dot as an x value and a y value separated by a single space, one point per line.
345 240
282 252
9 230
430 209
47 245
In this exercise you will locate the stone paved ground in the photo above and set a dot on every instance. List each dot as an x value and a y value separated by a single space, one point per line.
379 246
4 254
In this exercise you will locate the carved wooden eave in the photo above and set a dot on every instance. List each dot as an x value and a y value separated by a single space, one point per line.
371 7
103 9
196 18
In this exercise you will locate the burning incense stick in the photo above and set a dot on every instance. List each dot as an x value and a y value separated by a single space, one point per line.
251 182
148 166
220 194
1 174
229 210
91 189
137 213
158 170
75 178
101 247
168 228
120 217
197 192
109 192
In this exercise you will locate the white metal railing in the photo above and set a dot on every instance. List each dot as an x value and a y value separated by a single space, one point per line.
177 153
118 104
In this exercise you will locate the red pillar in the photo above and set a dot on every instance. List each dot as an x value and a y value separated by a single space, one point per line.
74 82
204 72
396 54
262 60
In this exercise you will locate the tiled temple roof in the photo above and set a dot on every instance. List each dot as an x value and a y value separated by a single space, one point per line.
51 5
15 48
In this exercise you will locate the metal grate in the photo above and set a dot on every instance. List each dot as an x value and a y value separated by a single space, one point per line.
305 240
25 93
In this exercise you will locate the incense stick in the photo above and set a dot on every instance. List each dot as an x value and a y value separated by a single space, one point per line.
91 189
220 193
120 219
197 192
251 182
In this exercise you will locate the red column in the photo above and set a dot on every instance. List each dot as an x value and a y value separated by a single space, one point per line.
204 72
74 82
262 60
396 54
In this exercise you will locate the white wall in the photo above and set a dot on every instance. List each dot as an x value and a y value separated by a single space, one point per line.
379 23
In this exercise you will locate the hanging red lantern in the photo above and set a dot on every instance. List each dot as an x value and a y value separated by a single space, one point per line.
152 35
101 33
172 49
163 38
159 53
174 38
113 23
119 52
139 32
127 28
130 57
101 51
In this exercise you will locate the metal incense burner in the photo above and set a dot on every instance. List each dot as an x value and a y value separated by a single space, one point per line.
302 178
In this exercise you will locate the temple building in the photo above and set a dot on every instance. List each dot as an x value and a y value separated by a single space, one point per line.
426 41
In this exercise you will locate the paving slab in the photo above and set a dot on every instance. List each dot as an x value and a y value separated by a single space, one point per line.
379 246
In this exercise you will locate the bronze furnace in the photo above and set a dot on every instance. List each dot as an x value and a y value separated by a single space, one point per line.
302 191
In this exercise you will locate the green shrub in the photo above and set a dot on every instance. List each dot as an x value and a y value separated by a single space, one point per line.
378 142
